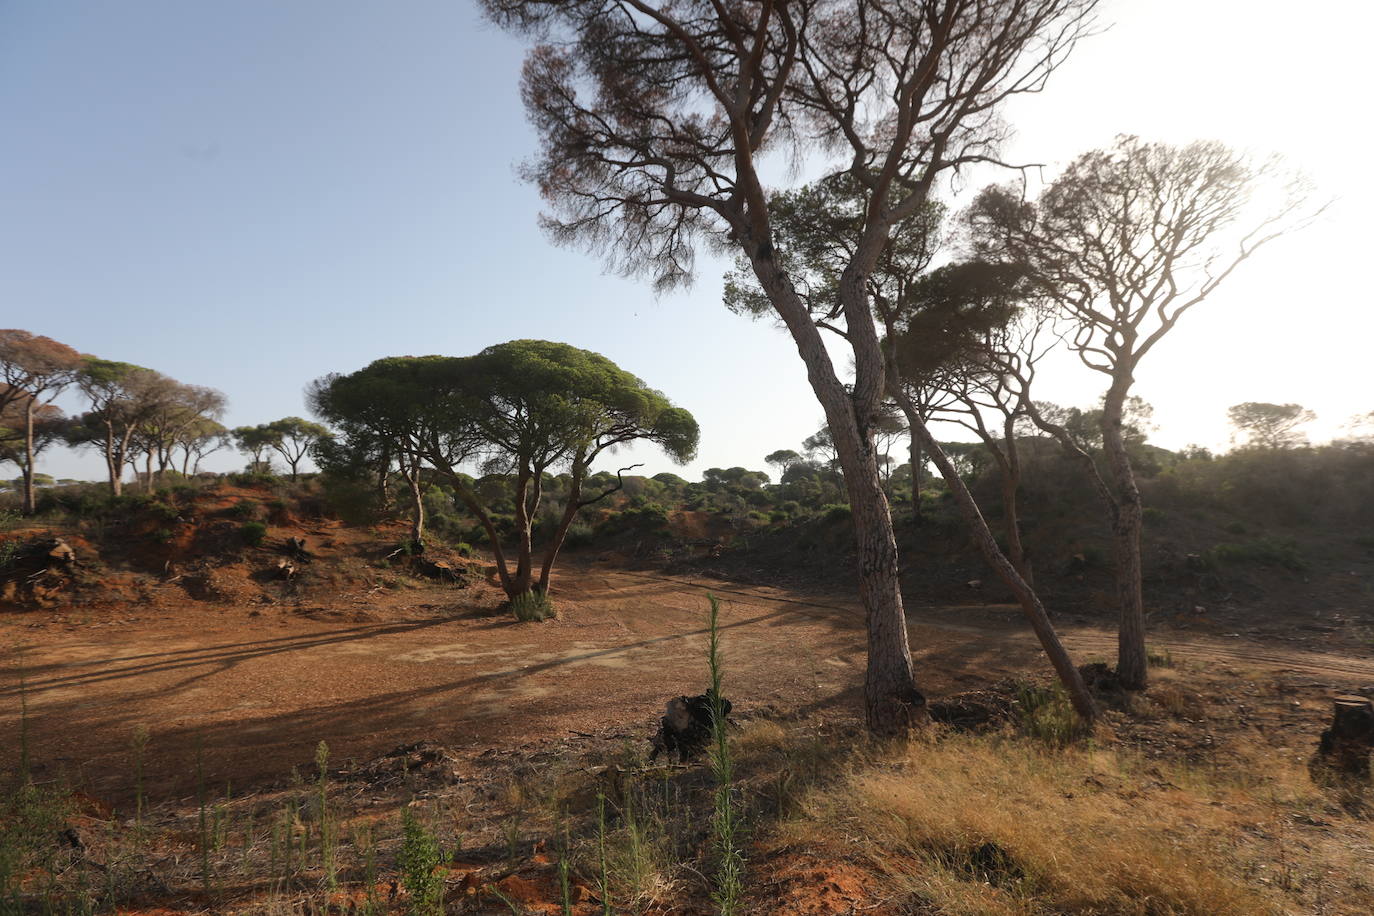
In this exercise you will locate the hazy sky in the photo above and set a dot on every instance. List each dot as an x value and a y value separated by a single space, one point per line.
250 194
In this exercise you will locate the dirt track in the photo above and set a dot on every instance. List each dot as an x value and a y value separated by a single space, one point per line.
259 688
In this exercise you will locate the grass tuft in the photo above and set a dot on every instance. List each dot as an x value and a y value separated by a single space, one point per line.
532 606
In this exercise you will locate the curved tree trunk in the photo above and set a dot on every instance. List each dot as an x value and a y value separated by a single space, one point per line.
498 552
578 472
1030 602
1131 664
892 704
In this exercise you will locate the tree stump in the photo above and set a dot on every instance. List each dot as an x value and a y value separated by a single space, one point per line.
1345 747
687 728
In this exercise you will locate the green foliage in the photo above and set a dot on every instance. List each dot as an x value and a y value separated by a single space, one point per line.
1270 426
532 606
836 513
253 533
31 822
578 535
419 860
1271 552
245 509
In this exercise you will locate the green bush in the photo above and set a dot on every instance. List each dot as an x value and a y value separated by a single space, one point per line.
420 857
253 533
245 509
532 606
579 535
836 512
253 479
1268 552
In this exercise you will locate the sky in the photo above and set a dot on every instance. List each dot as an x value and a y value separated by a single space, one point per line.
249 195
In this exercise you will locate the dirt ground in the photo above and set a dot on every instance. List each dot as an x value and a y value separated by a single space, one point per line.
253 689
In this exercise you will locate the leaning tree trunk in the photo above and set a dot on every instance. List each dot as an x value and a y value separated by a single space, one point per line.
578 472
30 503
1030 602
1131 664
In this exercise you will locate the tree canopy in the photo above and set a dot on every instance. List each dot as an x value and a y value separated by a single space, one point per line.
1270 426
521 408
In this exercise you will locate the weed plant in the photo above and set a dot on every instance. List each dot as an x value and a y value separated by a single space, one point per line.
724 821
419 863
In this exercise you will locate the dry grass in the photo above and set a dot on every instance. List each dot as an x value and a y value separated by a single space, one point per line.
986 826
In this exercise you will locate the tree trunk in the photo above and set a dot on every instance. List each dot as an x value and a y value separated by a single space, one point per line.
1131 665
1011 507
114 467
917 461
892 704
30 502
524 560
579 471
417 518
1030 602
475 507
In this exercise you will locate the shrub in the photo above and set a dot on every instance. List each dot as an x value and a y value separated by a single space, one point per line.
245 509
579 535
531 606
1268 552
253 533
420 857
836 512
